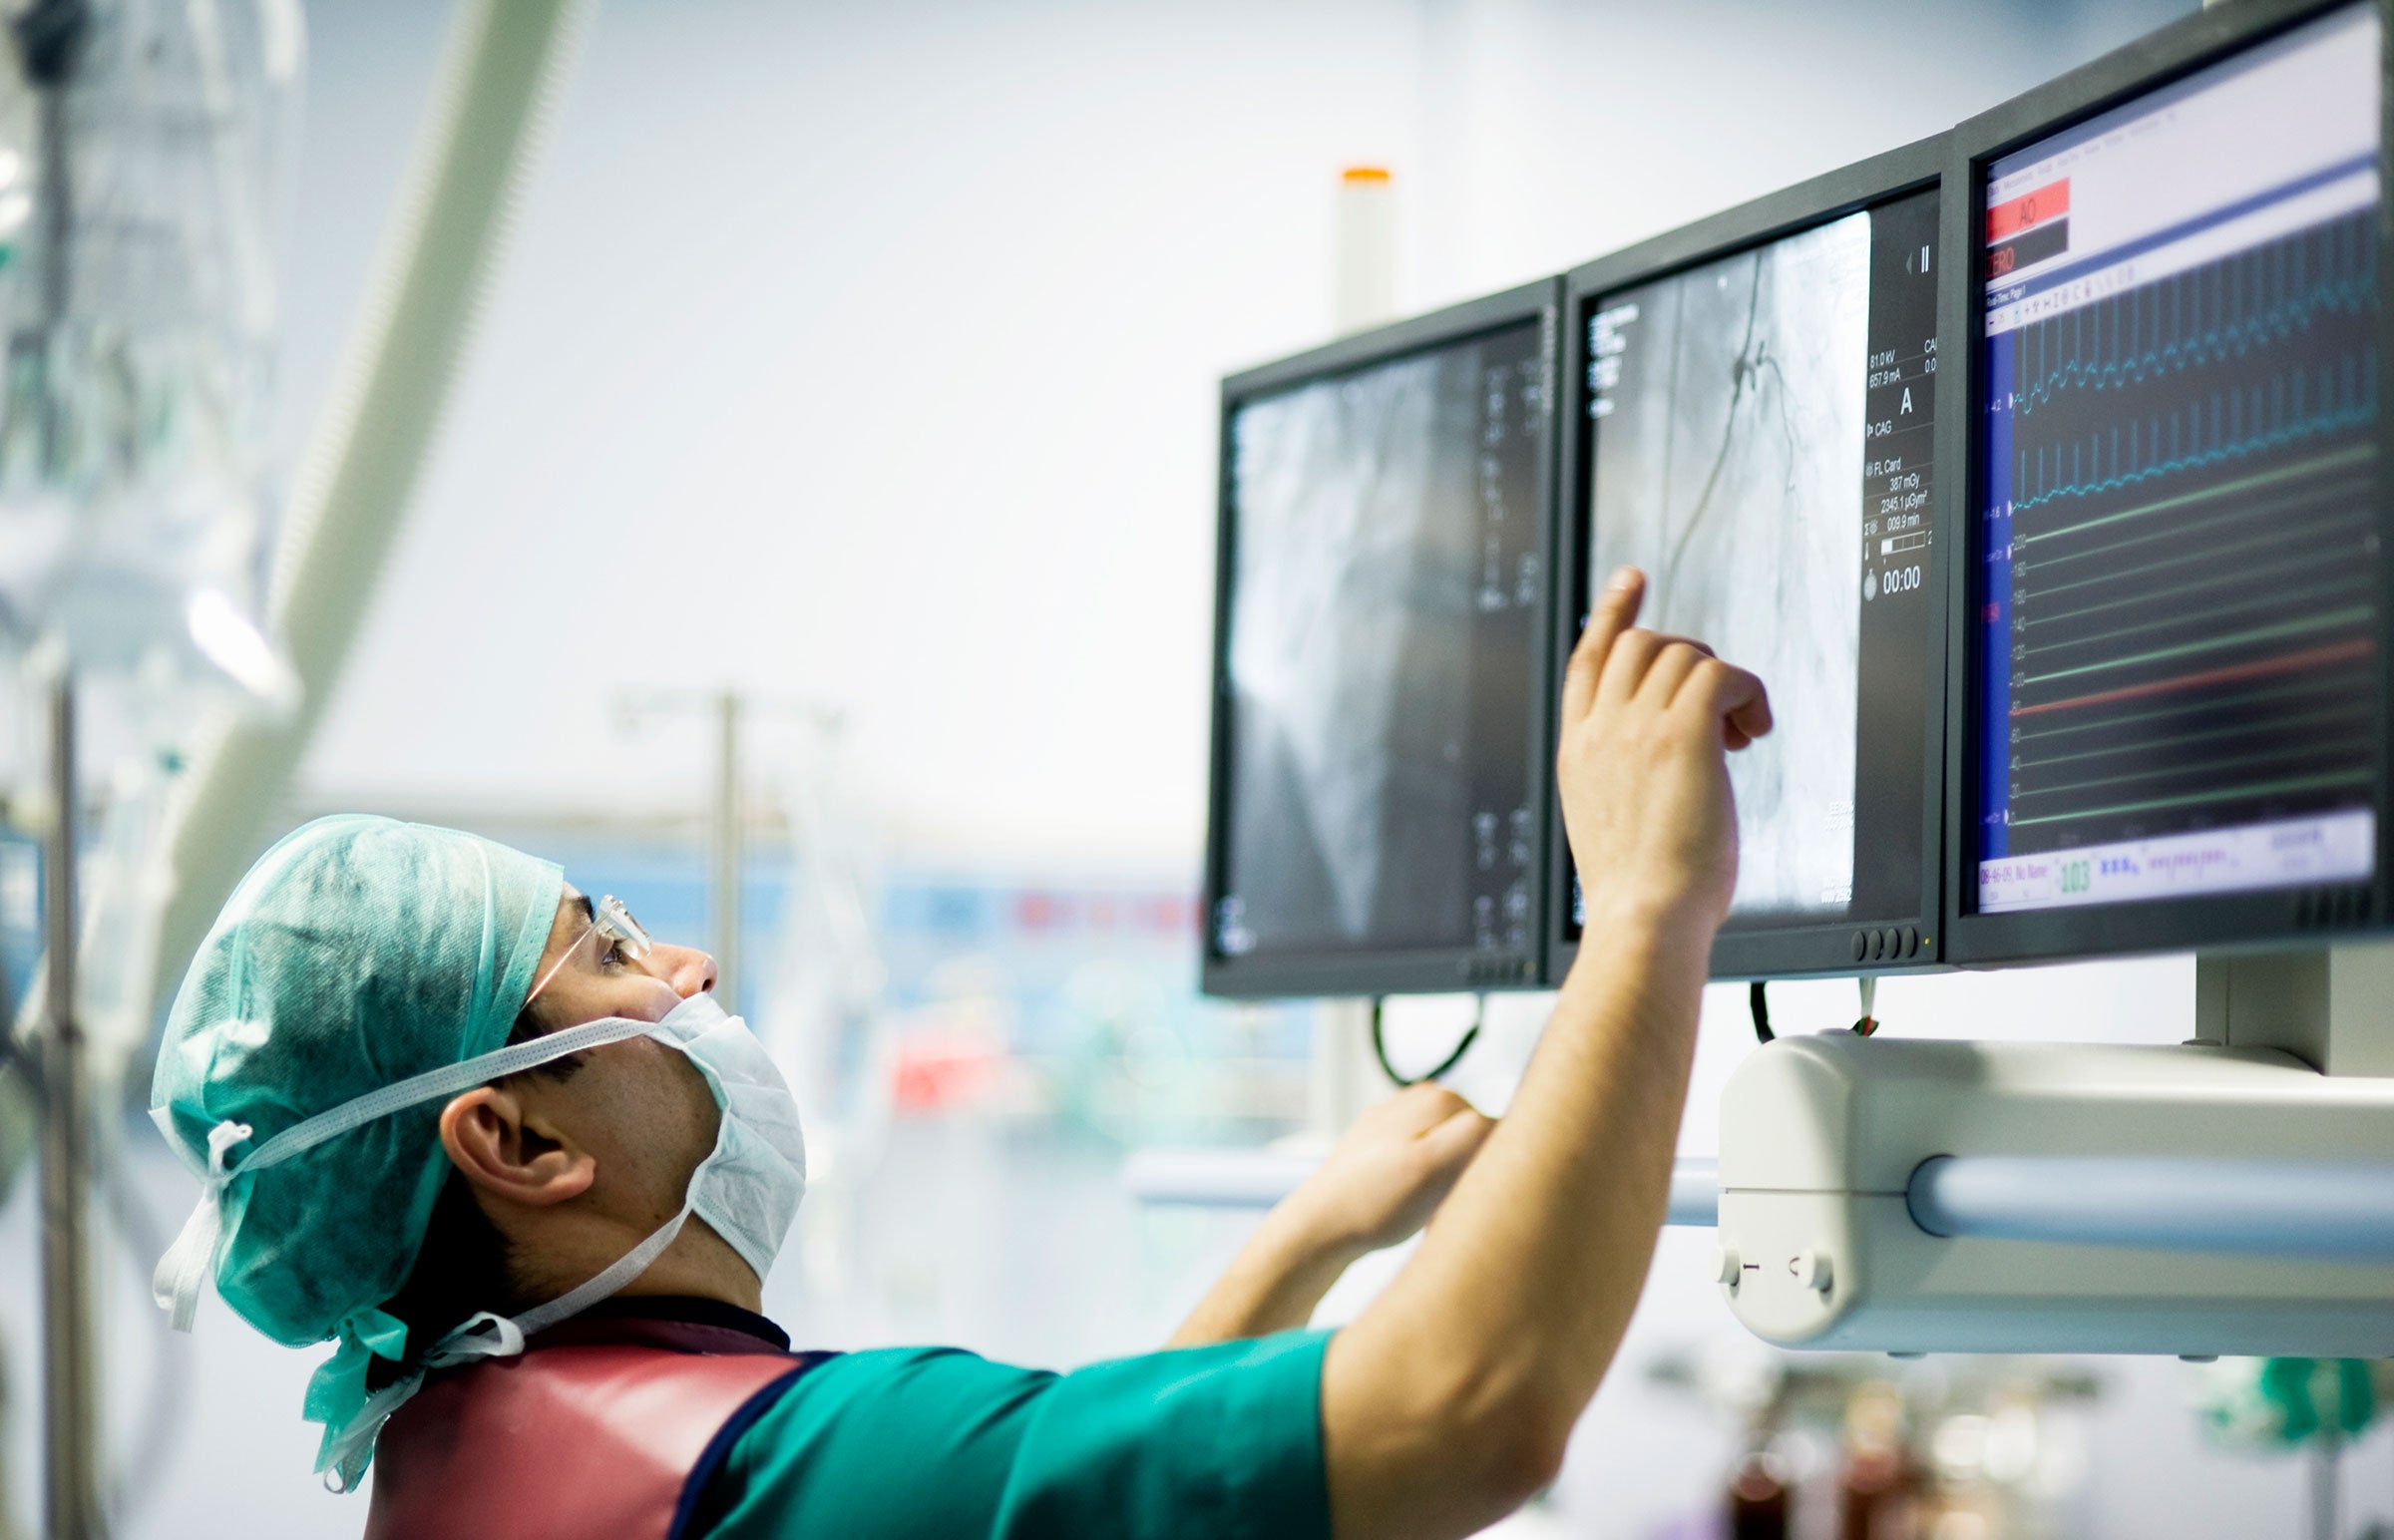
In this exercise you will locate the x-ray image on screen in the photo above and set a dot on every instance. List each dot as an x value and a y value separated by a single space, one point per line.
1728 465
1380 650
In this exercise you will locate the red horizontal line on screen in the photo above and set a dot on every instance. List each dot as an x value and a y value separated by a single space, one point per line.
2293 663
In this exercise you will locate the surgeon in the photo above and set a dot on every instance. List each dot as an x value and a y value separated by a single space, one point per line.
505 1150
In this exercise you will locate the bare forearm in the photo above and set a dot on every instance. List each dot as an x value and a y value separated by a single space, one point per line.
1556 1236
1517 1298
1273 1285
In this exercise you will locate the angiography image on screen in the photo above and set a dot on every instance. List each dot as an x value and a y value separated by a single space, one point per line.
1729 466
1381 656
1760 445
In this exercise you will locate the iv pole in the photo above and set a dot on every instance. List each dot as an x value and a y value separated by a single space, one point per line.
70 1421
49 36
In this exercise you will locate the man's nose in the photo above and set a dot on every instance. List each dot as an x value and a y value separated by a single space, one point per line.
689 970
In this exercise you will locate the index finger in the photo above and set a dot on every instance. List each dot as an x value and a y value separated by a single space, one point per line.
1615 610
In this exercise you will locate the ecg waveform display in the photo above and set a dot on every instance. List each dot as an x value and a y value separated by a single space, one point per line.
2184 564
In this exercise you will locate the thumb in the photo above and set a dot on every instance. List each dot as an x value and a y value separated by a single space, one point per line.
1452 1143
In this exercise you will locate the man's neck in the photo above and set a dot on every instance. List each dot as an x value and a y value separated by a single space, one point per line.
553 1258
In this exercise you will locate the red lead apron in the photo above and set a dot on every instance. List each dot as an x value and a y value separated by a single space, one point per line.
598 1428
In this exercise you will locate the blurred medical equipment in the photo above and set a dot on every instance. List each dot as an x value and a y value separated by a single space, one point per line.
828 1021
1852 1445
727 811
143 169
491 111
1363 285
150 146
144 198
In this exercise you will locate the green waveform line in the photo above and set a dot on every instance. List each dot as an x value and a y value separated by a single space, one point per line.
2207 767
2197 799
2279 600
2351 512
2351 615
2275 689
2146 745
2179 589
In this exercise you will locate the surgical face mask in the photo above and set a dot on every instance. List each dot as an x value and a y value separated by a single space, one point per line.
749 1185
747 1188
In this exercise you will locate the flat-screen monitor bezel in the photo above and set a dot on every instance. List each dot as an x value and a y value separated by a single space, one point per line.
1413 971
1852 944
2291 917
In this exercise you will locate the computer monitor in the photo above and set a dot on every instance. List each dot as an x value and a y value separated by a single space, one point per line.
1751 416
1380 748
2170 684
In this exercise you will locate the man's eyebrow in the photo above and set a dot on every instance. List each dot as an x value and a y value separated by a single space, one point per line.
589 911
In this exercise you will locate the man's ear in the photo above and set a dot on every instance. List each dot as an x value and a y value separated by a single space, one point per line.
488 1138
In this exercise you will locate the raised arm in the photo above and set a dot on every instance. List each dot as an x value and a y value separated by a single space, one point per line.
1449 1401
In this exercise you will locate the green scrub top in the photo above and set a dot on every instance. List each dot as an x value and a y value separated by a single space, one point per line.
1223 1442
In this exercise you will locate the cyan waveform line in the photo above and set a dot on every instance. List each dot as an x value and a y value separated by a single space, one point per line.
2351 294
2354 296
2294 431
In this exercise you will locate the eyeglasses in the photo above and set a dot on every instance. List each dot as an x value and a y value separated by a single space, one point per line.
611 919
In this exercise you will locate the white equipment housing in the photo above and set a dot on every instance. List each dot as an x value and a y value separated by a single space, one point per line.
1822 1137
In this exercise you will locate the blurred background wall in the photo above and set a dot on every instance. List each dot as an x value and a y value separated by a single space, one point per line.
864 356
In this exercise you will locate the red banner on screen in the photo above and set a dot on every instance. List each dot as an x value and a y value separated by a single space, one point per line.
2046 203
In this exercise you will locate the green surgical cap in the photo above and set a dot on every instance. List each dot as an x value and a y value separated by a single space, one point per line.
358 951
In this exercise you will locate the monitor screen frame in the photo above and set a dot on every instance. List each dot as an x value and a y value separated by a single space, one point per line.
1357 973
1849 946
2291 917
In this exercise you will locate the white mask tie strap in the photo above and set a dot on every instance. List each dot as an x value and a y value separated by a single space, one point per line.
347 1453
466 1343
191 1260
609 1281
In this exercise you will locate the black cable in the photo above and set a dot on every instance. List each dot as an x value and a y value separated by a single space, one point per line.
1380 1045
1759 1003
